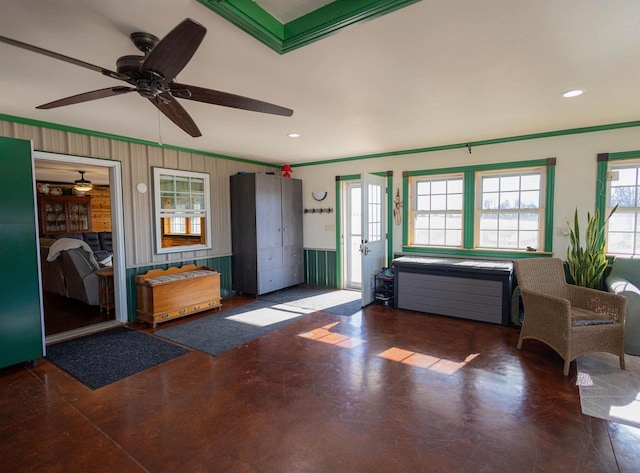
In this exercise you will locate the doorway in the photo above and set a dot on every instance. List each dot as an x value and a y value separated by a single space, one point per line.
82 317
363 243
353 235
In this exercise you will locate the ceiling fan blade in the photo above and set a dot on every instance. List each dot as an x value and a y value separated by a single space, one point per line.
87 96
176 113
174 51
215 97
62 57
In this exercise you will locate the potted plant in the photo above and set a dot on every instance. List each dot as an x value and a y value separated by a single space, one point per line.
586 265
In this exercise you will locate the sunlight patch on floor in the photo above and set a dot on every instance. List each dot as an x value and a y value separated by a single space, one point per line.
324 335
420 360
269 315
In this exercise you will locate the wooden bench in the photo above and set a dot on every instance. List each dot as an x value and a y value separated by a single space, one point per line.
167 294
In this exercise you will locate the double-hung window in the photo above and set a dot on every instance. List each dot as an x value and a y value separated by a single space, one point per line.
480 210
624 191
182 210
437 218
510 210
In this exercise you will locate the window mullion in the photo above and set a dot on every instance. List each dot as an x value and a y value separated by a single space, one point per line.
469 210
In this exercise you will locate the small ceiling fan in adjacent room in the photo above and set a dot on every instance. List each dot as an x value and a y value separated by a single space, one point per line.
153 74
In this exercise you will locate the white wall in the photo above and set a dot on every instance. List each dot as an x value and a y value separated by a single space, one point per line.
574 186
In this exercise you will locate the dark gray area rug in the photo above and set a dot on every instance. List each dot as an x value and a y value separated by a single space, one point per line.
337 302
106 357
223 331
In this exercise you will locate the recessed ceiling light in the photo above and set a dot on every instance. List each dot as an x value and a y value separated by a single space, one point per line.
293 135
573 93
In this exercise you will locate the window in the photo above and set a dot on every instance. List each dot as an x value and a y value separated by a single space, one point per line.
477 210
374 202
510 210
182 210
623 236
437 219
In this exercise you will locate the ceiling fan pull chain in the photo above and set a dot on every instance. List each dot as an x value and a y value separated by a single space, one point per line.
159 129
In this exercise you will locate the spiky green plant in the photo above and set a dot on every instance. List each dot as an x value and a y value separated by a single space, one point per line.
586 265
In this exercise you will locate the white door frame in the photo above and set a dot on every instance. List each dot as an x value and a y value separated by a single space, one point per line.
117 222
346 246
374 245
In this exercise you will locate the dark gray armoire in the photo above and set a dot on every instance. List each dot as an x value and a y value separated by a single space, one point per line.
266 232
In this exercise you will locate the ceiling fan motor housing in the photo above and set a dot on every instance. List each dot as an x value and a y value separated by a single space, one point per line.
145 42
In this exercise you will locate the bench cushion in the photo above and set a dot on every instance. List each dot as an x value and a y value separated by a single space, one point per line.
158 280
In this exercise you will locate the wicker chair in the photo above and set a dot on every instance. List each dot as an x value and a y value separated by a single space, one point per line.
570 319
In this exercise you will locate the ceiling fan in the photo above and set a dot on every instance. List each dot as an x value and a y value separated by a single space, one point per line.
153 74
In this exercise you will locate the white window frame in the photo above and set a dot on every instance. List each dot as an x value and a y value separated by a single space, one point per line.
161 212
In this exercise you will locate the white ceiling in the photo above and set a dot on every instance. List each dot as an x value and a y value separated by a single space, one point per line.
434 73
287 10
60 173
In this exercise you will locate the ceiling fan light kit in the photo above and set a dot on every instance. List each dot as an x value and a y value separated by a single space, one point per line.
82 185
153 74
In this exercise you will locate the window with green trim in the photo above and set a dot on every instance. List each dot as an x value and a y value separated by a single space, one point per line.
510 212
485 209
437 211
623 190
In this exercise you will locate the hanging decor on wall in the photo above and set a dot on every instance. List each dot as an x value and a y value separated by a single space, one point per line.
397 208
286 170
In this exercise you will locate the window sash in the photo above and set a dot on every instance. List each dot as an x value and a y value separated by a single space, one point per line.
510 209
437 211
623 228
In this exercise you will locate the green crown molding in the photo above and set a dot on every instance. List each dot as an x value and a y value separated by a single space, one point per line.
127 139
508 139
282 38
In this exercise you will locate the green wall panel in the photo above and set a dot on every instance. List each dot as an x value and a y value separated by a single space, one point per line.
21 337
320 268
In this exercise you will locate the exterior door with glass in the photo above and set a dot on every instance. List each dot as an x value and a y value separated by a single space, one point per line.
373 244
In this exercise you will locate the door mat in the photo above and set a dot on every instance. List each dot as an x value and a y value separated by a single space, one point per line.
106 357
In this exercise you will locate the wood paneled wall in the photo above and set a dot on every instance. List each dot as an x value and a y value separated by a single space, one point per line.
100 208
137 160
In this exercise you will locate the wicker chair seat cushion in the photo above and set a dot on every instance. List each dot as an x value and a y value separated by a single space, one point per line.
581 317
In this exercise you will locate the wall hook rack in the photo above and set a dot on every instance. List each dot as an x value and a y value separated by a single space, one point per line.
327 210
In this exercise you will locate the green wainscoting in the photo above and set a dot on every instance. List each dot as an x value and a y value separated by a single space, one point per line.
221 264
320 268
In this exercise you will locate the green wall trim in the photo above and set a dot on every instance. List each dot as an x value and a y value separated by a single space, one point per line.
467 252
127 139
353 177
468 210
480 168
252 19
405 209
338 234
531 136
282 38
548 211
389 218
601 179
222 264
624 155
